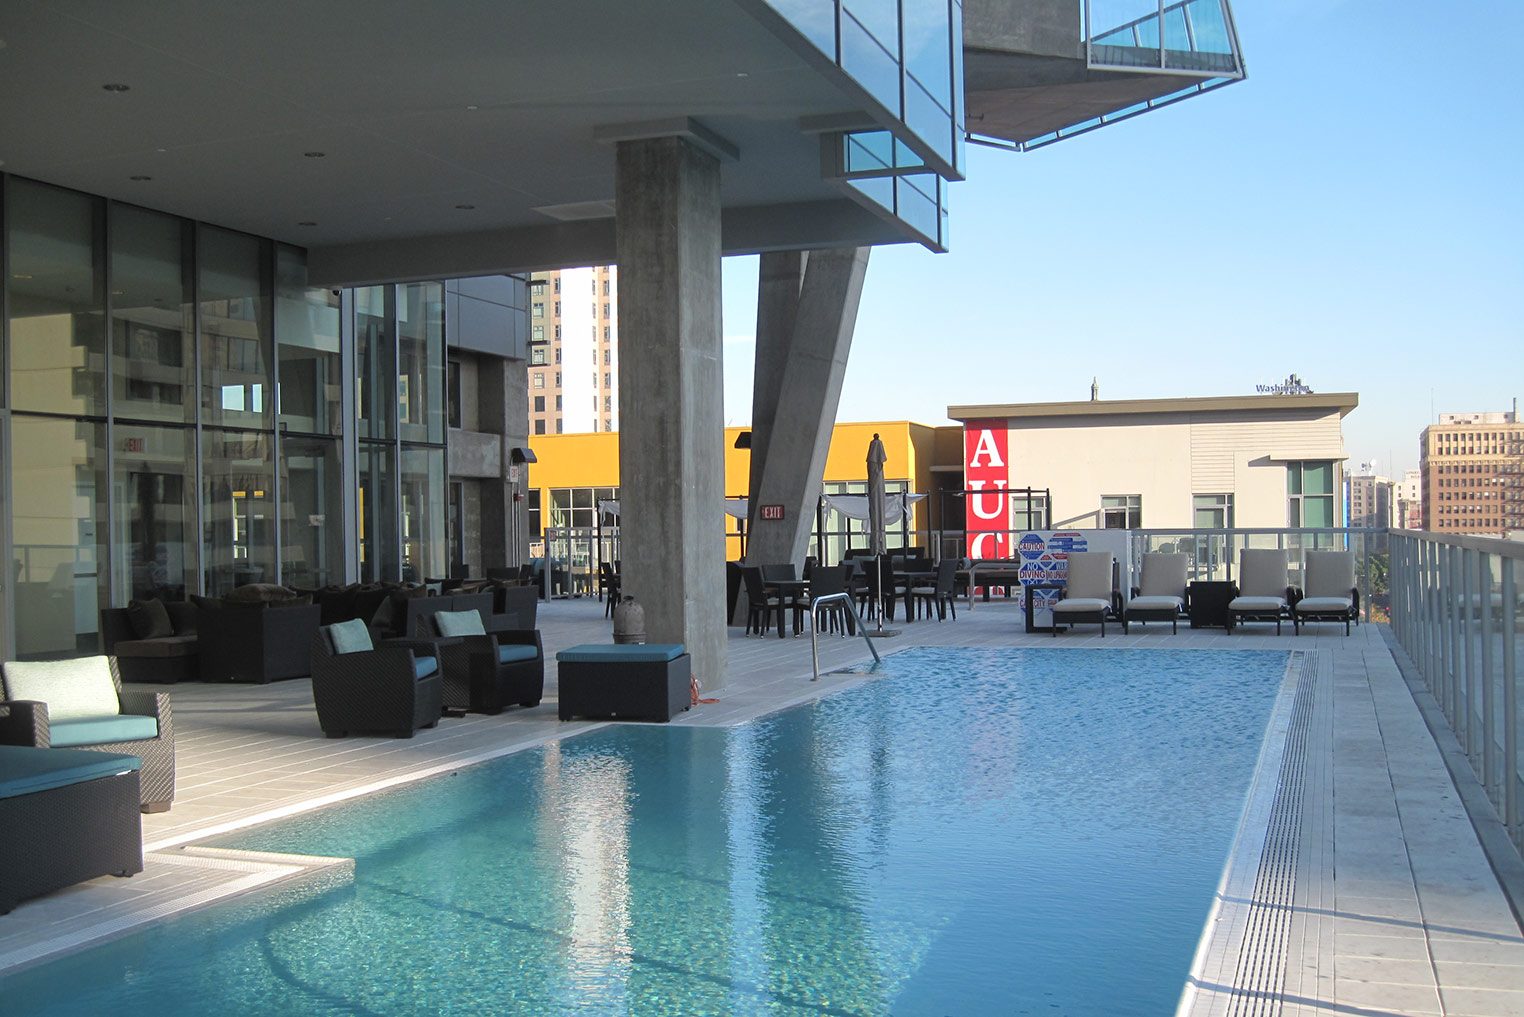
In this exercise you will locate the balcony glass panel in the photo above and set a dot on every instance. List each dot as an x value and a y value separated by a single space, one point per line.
814 19
873 67
881 19
928 49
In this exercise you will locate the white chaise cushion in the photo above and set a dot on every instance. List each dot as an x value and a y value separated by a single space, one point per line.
1089 605
1323 605
1154 604
1256 604
73 689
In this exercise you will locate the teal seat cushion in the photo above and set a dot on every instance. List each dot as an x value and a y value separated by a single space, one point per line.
120 727
459 623
639 653
424 666
25 770
350 637
76 688
509 653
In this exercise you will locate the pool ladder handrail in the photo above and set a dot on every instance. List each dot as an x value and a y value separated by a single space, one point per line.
815 605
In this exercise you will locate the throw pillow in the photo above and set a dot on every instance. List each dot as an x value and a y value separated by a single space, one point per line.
350 637
149 619
459 623
73 689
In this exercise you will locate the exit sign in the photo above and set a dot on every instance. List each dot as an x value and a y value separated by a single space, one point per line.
772 512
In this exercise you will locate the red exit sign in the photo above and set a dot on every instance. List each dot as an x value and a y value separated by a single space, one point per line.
774 512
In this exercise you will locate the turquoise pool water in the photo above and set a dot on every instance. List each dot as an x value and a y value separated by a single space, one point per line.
980 832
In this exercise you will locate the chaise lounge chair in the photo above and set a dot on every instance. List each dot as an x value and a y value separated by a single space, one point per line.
1088 595
1263 589
1331 594
1160 593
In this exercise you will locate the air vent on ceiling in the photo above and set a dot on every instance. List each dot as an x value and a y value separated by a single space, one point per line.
575 210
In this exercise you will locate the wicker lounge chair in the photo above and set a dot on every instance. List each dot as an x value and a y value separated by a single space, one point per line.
1160 593
487 671
1089 594
394 689
1263 591
66 815
81 704
1331 594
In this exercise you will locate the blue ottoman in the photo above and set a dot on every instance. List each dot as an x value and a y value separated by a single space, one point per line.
641 681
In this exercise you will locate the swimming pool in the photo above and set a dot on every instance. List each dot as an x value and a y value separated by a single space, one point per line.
978 832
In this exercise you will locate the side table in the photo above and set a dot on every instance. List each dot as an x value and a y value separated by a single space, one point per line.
1209 603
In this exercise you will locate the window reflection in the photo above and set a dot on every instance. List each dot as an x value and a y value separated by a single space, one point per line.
375 362
311 512
153 365
307 330
420 362
377 512
235 329
154 481
237 516
58 498
422 484
55 295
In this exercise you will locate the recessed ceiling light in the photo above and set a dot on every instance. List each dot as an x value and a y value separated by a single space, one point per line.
118 293
306 222
387 219
314 155
115 87
161 150
140 178
22 276
473 107
465 207
742 74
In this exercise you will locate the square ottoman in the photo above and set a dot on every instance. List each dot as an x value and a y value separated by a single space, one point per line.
631 681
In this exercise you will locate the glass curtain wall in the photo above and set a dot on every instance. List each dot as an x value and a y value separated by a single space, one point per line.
174 402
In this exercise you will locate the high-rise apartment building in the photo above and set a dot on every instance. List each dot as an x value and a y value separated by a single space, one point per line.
1409 496
1473 466
574 351
1370 501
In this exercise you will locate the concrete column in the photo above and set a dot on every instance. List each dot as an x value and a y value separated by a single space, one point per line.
806 313
671 442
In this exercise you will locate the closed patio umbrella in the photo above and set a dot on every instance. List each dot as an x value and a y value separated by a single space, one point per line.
876 540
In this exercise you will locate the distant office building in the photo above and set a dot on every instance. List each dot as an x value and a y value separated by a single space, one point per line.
1244 461
1370 501
1409 500
574 351
1472 466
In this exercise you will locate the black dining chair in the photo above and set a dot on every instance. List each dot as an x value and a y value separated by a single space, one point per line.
940 593
838 614
760 605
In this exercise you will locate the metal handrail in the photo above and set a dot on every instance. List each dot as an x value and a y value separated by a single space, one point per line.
815 604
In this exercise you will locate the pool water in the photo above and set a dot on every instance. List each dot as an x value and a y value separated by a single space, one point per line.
978 832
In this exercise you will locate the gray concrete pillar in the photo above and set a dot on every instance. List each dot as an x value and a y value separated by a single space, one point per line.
806 313
671 441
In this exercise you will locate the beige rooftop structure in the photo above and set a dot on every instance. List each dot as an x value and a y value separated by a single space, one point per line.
1247 461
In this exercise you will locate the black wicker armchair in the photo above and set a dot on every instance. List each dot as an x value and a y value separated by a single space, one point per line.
27 722
394 689
484 672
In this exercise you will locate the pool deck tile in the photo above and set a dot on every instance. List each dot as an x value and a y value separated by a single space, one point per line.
1395 911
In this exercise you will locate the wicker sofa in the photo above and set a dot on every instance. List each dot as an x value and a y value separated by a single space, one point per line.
257 633
153 641
66 815
81 704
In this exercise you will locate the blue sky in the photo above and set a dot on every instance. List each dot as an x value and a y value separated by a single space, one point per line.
1351 213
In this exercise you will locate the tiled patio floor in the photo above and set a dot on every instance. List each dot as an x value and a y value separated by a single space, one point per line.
1394 909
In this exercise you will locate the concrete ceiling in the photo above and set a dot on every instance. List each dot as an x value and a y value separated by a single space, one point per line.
417 109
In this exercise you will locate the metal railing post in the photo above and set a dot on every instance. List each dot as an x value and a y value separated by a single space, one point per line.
1468 653
1489 691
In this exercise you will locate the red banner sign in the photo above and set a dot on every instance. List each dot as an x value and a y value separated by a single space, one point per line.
986 475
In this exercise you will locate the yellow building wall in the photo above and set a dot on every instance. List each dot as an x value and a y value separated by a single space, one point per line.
592 460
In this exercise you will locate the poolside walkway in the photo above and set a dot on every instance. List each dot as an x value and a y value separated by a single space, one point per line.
1385 903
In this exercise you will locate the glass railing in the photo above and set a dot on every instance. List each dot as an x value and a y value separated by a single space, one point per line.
1188 36
1457 608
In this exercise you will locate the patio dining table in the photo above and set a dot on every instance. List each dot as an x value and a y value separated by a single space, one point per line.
910 577
787 590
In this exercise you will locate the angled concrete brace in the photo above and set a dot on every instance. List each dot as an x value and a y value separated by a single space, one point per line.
806 312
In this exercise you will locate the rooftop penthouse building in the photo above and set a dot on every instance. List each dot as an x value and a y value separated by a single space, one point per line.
1472 467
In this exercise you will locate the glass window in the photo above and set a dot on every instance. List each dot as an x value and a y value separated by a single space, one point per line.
153 322
539 379
452 392
375 361
539 426
420 362
307 338
1212 511
153 534
1310 494
312 512
58 499
237 521
377 512
539 404
422 483
56 300
235 329
1121 511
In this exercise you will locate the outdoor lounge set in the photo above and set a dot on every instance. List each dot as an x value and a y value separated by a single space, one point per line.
1263 592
